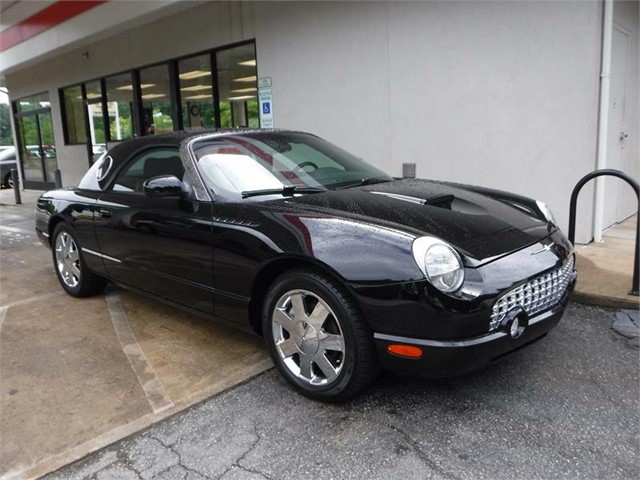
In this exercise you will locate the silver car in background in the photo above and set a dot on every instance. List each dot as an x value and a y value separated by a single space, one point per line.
7 162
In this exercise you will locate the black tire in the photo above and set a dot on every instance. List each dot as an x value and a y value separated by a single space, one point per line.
73 274
350 370
7 182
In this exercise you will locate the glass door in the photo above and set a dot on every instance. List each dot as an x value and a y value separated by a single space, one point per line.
47 147
37 146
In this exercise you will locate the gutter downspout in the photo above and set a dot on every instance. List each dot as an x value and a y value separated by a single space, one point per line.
603 118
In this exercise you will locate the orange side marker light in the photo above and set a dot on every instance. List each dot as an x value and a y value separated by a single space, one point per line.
408 351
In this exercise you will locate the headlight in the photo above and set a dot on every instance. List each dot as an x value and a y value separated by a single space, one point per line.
546 211
439 262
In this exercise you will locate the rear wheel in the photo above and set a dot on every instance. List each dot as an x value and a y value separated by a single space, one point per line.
8 180
71 269
317 337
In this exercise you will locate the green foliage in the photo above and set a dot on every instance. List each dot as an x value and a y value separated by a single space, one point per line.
5 125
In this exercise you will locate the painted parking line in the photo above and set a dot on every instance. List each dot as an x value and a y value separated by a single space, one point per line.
3 314
146 375
24 231
32 299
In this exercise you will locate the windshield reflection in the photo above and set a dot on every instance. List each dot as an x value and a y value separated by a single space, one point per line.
237 164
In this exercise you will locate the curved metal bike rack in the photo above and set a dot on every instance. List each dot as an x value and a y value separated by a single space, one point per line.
572 212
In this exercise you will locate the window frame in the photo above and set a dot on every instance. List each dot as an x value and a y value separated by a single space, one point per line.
63 113
175 95
131 160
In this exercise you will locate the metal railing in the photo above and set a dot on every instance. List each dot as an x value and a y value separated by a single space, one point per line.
572 213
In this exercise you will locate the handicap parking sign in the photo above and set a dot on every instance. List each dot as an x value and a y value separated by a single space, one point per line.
266 108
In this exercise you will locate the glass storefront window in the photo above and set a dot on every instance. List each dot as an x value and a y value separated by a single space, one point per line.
33 103
74 115
96 120
37 146
235 82
94 90
238 86
156 100
196 92
120 106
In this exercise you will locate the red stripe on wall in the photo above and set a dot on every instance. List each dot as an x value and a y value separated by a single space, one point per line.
50 17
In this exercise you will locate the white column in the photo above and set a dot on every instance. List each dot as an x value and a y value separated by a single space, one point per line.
603 120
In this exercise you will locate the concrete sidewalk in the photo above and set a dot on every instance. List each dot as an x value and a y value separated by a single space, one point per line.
605 269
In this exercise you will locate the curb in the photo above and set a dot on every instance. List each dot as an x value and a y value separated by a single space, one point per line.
632 303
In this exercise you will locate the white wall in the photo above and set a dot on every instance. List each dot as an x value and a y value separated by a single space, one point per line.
498 94
627 15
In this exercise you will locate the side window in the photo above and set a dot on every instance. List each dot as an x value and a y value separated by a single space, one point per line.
148 164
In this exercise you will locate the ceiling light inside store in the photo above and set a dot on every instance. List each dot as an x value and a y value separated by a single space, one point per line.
194 74
142 85
248 63
245 90
197 97
252 78
196 88
150 96
90 96
243 97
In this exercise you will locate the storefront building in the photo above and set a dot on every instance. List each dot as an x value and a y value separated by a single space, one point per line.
505 95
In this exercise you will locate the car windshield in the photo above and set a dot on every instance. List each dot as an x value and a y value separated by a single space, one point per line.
8 154
267 163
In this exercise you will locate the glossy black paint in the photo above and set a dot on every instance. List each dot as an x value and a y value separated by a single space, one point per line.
164 186
217 257
445 359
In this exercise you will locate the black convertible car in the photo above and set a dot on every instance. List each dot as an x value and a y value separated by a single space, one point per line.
340 267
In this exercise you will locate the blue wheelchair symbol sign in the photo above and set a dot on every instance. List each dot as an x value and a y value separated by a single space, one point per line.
266 108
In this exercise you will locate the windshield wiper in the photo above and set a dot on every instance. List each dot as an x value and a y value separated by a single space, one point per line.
364 181
286 191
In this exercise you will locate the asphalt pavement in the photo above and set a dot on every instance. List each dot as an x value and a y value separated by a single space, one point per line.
566 407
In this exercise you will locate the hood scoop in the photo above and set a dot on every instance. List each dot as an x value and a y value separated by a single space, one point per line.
437 200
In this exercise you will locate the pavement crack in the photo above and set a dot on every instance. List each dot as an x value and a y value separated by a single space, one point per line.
237 462
421 455
257 472
180 462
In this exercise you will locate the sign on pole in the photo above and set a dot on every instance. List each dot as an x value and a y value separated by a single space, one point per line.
265 99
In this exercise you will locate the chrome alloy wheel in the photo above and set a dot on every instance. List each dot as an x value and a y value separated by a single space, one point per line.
67 259
308 337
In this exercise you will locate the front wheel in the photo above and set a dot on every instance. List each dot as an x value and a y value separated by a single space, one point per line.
317 337
74 275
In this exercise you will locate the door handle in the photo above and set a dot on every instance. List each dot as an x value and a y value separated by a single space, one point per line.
104 213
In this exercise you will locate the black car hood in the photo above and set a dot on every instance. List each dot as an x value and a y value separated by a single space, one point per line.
483 224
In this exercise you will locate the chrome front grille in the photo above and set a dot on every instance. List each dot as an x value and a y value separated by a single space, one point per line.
537 295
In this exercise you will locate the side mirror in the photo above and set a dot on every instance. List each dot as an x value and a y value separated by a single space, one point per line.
163 186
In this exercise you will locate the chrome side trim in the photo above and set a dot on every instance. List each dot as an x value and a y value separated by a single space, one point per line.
438 343
106 257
